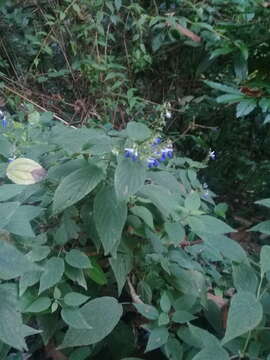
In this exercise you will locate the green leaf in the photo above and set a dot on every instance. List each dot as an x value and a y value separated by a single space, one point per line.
157 338
175 231
144 291
240 66
165 303
212 353
48 324
5 147
28 279
102 314
203 337
208 224
121 267
53 272
148 311
220 51
7 210
191 282
96 273
165 179
129 178
193 201
221 209
74 318
110 217
75 299
163 319
245 107
11 326
244 278
264 202
76 186
117 4
38 253
226 246
162 198
78 259
266 119
68 229
229 98
245 314
39 305
264 103
265 258
76 275
173 349
263 227
9 191
20 222
80 353
137 131
58 172
221 87
144 214
182 317
12 262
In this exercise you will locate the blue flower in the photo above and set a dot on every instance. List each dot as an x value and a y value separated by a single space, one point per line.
152 162
206 194
166 153
156 141
131 153
3 119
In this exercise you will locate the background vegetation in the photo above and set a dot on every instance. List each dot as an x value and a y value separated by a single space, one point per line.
73 74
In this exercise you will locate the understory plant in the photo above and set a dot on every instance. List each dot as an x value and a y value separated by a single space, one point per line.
111 247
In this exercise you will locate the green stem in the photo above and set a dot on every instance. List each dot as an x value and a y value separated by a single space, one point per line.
260 286
245 346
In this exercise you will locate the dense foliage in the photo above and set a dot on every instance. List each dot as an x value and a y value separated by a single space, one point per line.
117 118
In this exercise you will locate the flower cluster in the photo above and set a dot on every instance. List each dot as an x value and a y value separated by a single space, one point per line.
3 119
154 153
132 153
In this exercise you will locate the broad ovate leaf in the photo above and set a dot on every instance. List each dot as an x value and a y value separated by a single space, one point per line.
11 325
25 171
245 314
110 216
76 186
103 314
13 263
53 272
129 178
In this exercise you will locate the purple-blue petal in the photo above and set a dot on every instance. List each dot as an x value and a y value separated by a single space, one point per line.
157 141
4 122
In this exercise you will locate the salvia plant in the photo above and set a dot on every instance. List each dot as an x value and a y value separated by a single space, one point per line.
112 247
